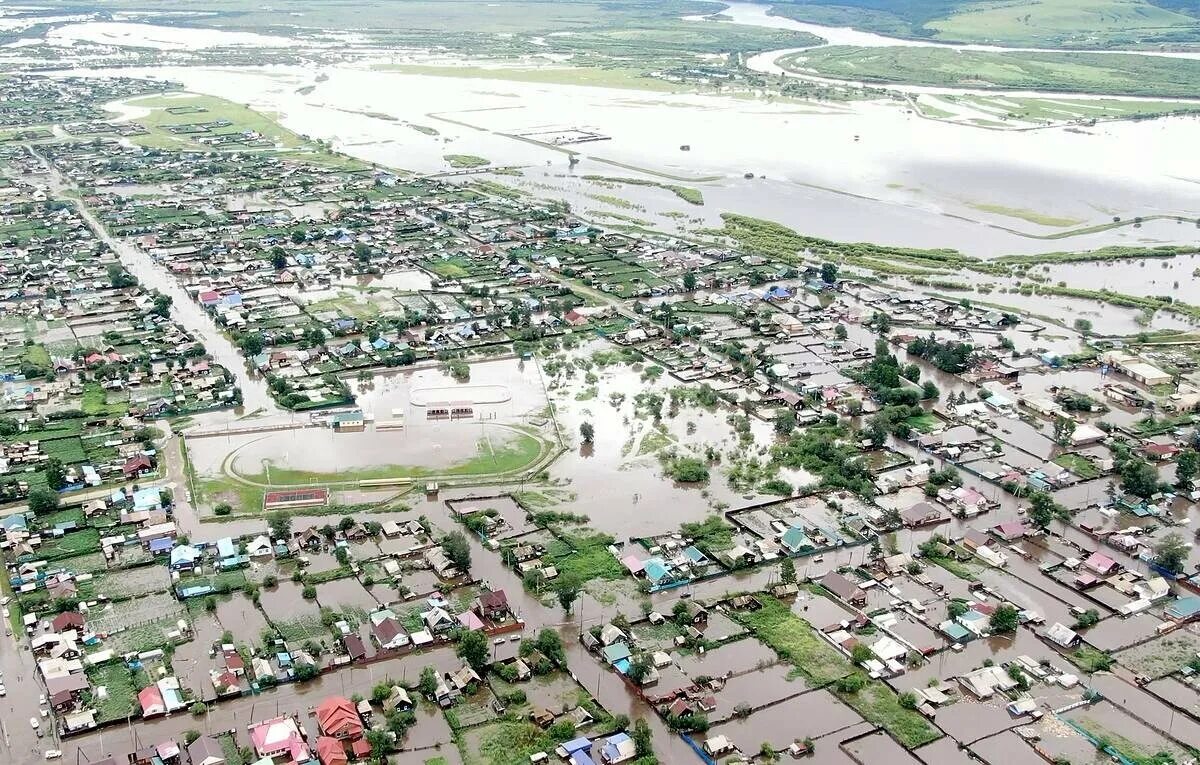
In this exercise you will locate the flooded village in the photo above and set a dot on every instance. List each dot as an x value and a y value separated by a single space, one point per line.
307 459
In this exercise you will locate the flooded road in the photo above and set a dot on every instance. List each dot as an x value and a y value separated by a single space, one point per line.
185 311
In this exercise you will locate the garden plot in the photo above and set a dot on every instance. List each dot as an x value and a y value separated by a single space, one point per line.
286 604
879 747
1115 633
132 583
1162 656
1009 749
133 613
241 617
757 688
742 656
515 521
969 719
430 730
811 715
1131 738
88 563
345 594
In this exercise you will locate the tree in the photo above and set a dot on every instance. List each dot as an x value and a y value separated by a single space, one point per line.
252 344
1171 553
42 500
198 708
1083 325
458 550
380 742
840 332
1087 619
785 422
280 526
56 474
1139 477
550 645
298 236
587 431
305 671
1042 509
567 590
1186 466
908 700
928 390
642 737
861 654
279 259
428 683
1004 619
956 608
639 668
689 281
473 649
829 272
787 571
1064 428
189 736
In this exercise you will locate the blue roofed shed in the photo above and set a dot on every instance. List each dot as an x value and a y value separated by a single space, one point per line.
615 652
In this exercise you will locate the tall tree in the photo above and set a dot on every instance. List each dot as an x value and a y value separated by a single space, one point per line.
1186 466
1171 552
473 649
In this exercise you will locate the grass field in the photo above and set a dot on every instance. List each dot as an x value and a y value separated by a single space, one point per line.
465 161
599 77
492 458
1079 465
1067 23
797 642
1018 23
1083 72
242 119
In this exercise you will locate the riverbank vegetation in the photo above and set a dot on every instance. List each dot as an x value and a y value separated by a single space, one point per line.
1067 72
1024 23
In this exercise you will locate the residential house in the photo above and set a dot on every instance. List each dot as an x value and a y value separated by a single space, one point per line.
337 717
844 588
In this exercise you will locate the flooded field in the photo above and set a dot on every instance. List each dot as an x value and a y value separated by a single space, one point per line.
921 197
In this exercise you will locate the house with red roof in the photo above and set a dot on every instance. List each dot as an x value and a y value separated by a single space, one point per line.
137 465
151 700
67 620
330 751
337 717
492 605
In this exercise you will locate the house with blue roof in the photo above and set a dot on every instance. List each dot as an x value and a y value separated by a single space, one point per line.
147 499
1185 609
616 652
618 748
185 557
14 522
778 293
656 571
694 556
975 621
795 540
955 631
226 548
568 748
160 546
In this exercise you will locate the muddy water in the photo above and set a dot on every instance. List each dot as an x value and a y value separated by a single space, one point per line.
814 714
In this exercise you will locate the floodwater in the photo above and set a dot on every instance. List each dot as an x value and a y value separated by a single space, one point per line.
867 170
160 37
